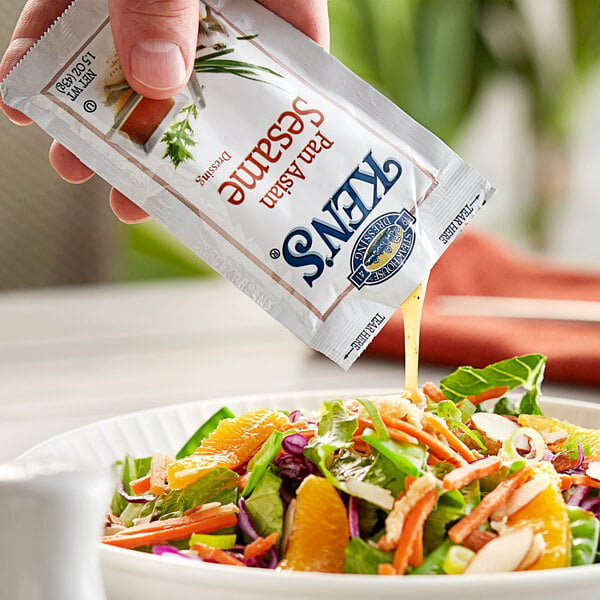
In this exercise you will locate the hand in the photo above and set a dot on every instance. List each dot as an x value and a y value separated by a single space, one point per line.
156 43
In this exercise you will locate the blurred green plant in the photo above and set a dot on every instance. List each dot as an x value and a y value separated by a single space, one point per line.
151 252
434 57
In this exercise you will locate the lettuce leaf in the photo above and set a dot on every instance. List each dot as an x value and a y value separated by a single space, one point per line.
522 371
384 473
219 485
335 432
131 469
585 529
433 563
265 506
451 506
257 467
457 417
362 558
407 458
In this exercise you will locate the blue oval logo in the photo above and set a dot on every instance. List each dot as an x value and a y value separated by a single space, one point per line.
382 248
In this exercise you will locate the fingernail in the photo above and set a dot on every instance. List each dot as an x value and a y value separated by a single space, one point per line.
158 64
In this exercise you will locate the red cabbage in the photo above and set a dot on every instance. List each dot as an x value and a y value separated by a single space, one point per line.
294 444
353 517
580 456
577 495
160 550
244 520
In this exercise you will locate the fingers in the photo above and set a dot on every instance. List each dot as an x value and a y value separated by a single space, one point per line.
156 43
67 165
125 209
36 17
309 16
71 169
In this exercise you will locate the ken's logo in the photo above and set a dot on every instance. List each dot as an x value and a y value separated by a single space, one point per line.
382 248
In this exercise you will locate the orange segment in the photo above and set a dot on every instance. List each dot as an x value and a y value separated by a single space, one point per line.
552 425
319 531
547 514
230 445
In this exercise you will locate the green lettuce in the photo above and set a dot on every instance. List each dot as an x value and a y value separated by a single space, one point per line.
522 371
131 469
457 417
407 458
265 506
433 564
362 558
451 506
585 529
260 462
334 433
219 485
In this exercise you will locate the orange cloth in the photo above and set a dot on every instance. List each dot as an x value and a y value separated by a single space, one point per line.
476 264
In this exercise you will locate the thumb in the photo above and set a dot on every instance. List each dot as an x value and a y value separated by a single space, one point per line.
155 43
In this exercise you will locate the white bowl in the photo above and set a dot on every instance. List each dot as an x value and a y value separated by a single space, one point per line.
130 575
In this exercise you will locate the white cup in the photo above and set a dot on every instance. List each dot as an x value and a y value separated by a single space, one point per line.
51 514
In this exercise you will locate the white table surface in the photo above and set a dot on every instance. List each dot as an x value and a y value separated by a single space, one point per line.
71 356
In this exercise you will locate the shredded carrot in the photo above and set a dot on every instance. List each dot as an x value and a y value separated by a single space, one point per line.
216 555
432 459
439 426
566 481
433 392
176 528
158 473
307 432
386 569
399 436
360 445
436 446
498 496
408 481
490 394
413 529
260 545
141 485
460 477
302 427
202 508
416 555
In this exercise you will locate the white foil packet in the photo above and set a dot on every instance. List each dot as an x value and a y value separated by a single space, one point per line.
290 176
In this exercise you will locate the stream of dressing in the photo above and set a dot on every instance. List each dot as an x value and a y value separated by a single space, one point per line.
412 308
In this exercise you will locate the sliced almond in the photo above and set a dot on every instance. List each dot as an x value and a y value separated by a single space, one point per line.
370 492
288 521
562 461
112 529
555 437
503 554
495 429
477 539
521 497
538 546
593 469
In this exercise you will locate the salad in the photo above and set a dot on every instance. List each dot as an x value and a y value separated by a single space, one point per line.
471 479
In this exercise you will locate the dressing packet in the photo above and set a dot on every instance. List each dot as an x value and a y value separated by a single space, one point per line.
290 176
